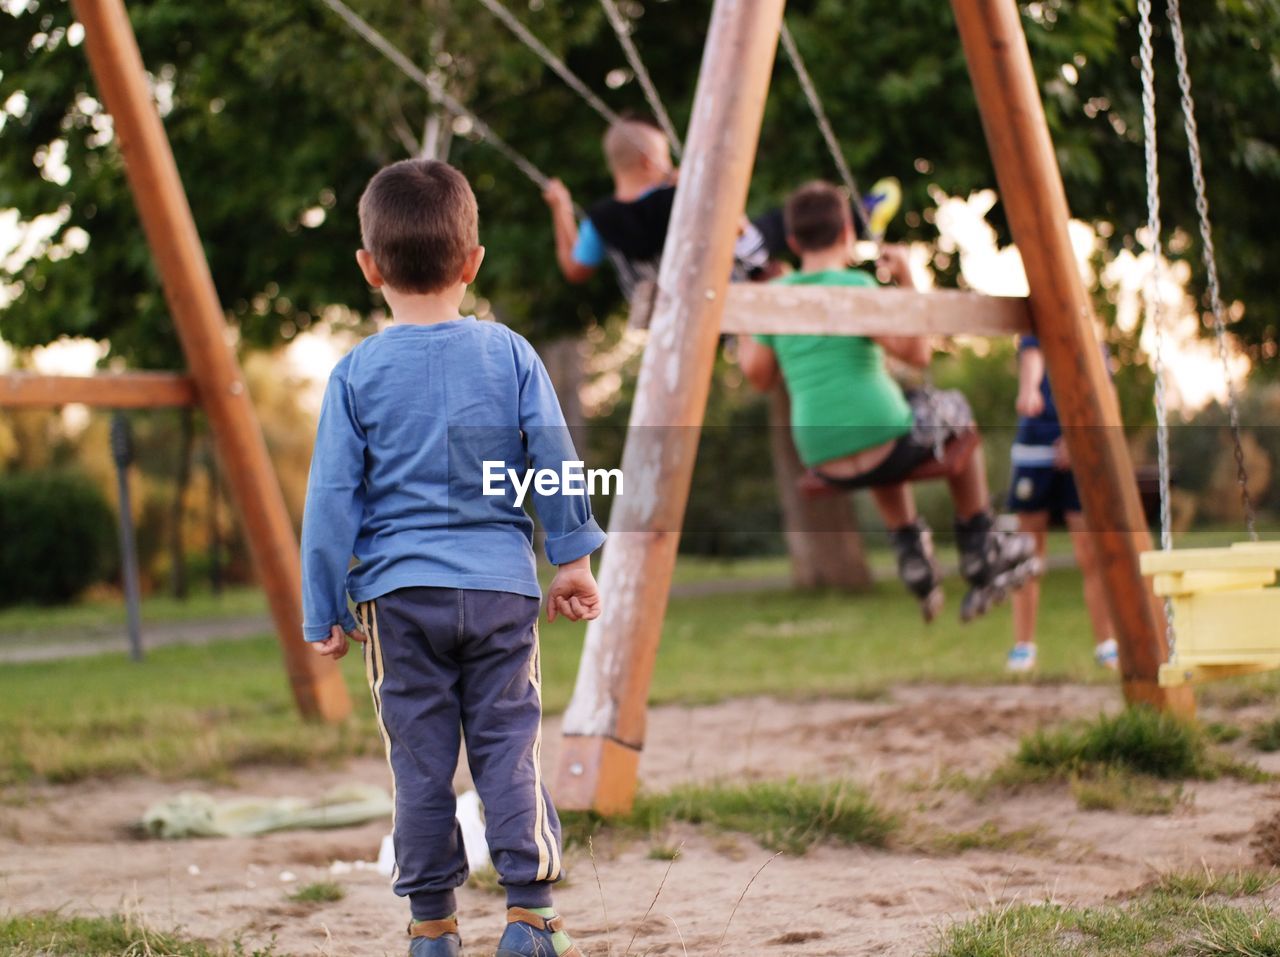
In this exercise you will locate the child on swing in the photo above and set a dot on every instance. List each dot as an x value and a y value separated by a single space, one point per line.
445 578
856 428
629 228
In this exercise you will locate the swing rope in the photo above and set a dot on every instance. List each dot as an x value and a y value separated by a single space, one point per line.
824 126
555 63
623 31
436 91
1209 257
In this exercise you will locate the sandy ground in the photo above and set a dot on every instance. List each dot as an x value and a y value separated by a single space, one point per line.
71 848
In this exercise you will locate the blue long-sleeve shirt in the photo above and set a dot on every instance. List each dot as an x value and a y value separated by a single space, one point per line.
409 419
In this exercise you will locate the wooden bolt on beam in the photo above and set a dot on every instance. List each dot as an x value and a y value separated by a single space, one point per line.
133 390
604 726
1036 204
171 233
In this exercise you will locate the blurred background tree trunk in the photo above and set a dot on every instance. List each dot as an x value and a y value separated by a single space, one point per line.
821 534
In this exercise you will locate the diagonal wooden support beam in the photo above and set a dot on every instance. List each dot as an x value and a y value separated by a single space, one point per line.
318 685
130 390
1035 201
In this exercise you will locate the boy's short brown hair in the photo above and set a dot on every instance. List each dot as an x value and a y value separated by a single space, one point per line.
419 222
815 215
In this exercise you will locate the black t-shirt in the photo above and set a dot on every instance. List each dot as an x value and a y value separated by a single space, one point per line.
634 232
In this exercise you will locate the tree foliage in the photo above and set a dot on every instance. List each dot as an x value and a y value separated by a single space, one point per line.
278 115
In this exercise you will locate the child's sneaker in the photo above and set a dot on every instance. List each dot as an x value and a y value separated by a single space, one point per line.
1022 658
536 933
1107 654
435 938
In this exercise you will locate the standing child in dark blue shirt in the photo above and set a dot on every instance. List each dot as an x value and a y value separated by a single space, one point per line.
416 423
1042 488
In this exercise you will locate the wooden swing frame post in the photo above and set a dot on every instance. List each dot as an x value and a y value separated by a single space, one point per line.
605 724
112 49
1036 205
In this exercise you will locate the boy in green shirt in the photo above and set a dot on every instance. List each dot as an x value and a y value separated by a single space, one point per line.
855 428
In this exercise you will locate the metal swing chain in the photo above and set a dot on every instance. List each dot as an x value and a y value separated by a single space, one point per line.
623 30
1210 259
824 126
1153 306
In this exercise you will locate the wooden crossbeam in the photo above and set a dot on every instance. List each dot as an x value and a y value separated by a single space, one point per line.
133 390
759 308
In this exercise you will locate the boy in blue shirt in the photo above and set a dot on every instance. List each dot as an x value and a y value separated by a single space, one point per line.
413 421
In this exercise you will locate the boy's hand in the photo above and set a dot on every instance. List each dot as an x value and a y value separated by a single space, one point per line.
573 592
335 646
895 262
1030 402
557 195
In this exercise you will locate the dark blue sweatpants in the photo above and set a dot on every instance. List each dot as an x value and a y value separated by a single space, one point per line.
448 662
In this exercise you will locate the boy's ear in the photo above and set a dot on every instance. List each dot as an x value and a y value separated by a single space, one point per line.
471 266
794 246
372 274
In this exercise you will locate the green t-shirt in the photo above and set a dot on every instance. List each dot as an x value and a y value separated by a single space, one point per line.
842 398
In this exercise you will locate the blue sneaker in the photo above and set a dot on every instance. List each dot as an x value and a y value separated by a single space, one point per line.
1022 658
531 935
435 938
1107 654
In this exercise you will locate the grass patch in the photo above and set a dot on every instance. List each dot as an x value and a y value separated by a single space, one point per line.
53 935
1220 732
1111 788
1233 884
1137 739
663 852
1266 736
788 816
1186 916
988 836
184 712
1130 761
105 617
321 892
206 711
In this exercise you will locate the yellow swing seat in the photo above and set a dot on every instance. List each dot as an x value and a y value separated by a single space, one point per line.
1225 610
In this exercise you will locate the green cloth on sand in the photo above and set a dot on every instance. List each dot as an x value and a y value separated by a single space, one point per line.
195 814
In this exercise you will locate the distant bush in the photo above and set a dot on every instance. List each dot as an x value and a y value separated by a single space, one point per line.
57 537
